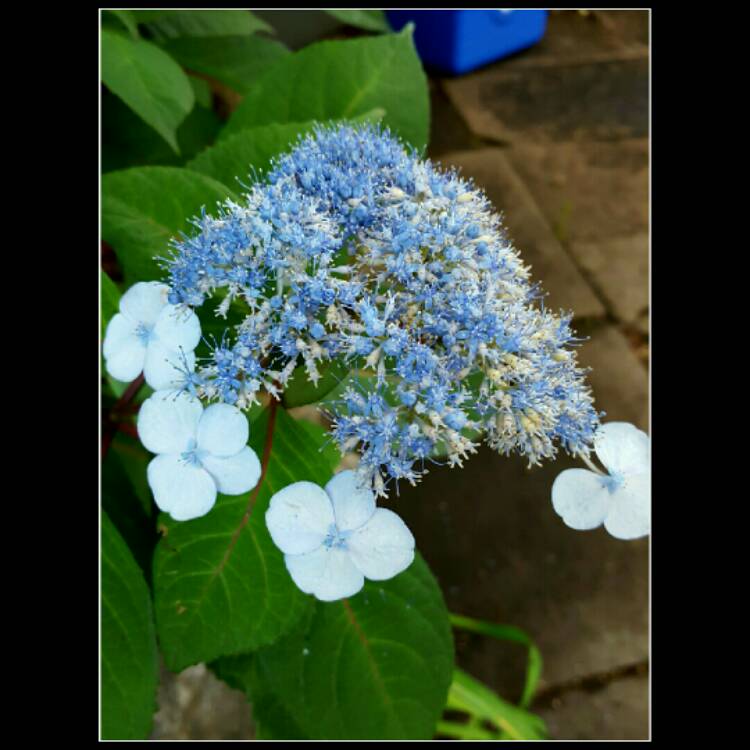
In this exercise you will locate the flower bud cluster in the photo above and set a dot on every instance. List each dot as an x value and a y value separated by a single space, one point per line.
355 249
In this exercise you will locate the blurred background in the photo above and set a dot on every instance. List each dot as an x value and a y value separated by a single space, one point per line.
557 134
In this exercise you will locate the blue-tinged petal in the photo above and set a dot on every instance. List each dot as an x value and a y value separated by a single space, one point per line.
181 488
353 504
299 517
623 448
233 474
223 430
383 547
144 301
178 327
125 360
582 498
326 573
168 422
120 331
165 368
630 514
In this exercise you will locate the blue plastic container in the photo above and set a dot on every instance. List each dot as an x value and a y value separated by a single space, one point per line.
457 41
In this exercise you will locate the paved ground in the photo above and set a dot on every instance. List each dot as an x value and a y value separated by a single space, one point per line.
558 137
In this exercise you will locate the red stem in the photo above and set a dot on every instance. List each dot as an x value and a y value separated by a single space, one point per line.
272 406
111 426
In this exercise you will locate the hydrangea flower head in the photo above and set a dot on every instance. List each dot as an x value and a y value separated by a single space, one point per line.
334 538
150 335
200 452
620 499
354 249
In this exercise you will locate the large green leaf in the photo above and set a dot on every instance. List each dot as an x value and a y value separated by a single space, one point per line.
343 79
370 20
301 391
129 664
233 159
376 666
271 717
253 149
128 142
123 480
110 300
324 440
120 18
220 583
206 23
149 81
202 91
237 61
143 207
134 459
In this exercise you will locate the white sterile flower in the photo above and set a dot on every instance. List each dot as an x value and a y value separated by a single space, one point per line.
201 452
334 538
150 335
621 500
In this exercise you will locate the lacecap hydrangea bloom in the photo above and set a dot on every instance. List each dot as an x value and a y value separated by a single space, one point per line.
334 538
619 499
355 250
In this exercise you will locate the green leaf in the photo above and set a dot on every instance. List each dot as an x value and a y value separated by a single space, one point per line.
123 477
363 381
129 663
201 91
110 299
272 719
469 731
143 207
125 18
237 61
134 459
128 142
508 633
470 696
370 20
321 438
301 391
148 16
343 79
149 81
220 583
206 23
252 149
375 666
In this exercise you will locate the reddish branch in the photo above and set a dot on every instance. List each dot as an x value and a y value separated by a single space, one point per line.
272 406
265 458
111 424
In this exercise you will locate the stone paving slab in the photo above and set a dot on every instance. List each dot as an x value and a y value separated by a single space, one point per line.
588 191
529 230
618 379
587 78
448 131
641 324
595 196
596 35
618 267
195 705
618 711
605 100
500 552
